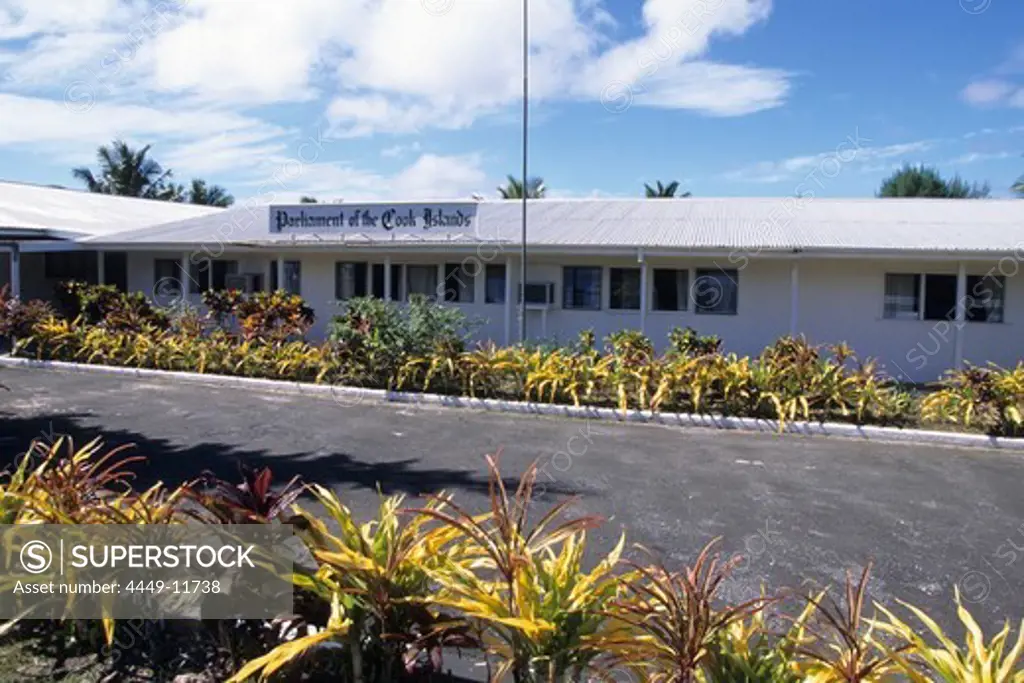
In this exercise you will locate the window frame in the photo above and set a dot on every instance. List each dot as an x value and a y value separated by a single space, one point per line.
464 289
971 293
622 271
921 298
500 298
732 275
175 275
569 277
682 295
293 277
360 275
409 269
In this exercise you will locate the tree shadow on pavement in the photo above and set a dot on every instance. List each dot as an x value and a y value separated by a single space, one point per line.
174 463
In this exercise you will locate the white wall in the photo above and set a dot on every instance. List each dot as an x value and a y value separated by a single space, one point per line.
839 300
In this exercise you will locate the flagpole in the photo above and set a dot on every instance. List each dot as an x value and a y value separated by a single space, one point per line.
526 138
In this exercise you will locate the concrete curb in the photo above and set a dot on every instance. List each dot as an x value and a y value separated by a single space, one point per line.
349 396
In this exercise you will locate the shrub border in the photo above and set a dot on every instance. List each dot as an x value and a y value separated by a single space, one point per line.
356 395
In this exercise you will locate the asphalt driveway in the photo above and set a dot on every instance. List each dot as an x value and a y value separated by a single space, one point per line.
799 509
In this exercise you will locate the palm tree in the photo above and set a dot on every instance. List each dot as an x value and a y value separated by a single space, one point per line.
660 191
1018 186
209 195
535 189
128 172
306 199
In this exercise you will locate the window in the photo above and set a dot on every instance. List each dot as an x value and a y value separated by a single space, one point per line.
459 285
166 277
199 275
902 296
377 286
293 277
495 284
716 291
940 297
581 287
422 280
985 298
198 279
349 280
670 288
397 275
624 286
221 270
69 265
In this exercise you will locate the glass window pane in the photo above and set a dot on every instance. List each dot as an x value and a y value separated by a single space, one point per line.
670 289
716 291
581 287
625 288
166 278
940 297
293 277
985 298
902 296
459 285
198 275
422 280
495 284
221 270
378 280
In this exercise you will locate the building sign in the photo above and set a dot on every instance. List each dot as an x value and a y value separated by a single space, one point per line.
373 218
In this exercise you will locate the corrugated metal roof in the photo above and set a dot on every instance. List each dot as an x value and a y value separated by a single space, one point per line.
59 212
780 224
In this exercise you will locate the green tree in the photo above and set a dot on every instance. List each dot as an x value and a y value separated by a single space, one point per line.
921 181
1018 186
129 172
208 195
535 189
659 191
308 200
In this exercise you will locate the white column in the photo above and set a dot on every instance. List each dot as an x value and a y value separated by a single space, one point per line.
643 291
403 282
101 268
209 274
794 298
387 278
16 272
509 299
185 275
280 272
961 315
440 282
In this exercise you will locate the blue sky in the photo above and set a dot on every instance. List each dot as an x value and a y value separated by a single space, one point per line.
376 99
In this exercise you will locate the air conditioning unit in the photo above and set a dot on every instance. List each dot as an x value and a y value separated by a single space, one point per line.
539 293
244 282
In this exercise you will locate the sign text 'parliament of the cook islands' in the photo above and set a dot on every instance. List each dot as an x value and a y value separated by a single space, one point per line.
383 218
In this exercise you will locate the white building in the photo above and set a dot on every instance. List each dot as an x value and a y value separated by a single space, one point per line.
921 284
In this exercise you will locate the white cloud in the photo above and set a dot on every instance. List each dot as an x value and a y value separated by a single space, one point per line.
429 177
204 80
864 158
396 151
408 71
987 92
